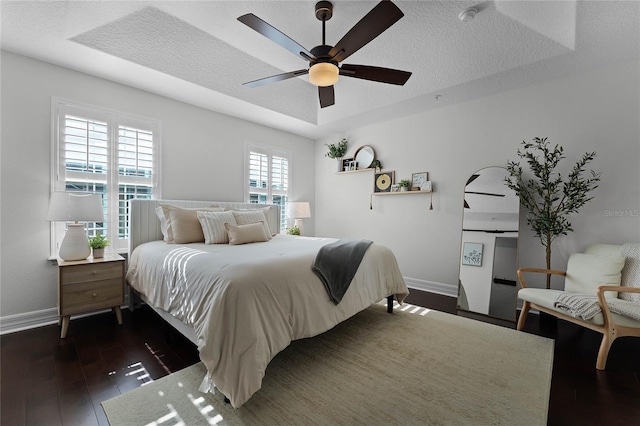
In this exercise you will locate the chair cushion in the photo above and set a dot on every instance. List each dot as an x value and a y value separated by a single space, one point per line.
631 272
587 272
544 298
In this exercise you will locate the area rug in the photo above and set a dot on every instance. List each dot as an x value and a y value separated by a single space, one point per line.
414 367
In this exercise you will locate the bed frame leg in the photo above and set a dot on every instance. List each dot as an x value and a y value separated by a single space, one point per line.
390 304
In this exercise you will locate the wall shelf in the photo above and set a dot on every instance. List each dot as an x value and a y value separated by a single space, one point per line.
403 193
354 171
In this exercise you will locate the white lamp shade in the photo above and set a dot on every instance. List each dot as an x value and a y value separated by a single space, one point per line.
68 206
74 206
323 74
298 210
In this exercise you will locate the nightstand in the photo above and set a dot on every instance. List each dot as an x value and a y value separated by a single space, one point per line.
90 285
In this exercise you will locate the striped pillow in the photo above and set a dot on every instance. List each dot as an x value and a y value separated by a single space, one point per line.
245 217
213 226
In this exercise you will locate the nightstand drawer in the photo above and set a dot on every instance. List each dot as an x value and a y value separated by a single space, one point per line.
89 296
91 272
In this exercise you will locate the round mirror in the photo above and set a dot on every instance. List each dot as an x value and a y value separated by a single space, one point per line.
364 156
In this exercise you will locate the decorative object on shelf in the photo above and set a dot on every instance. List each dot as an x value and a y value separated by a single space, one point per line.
337 151
98 243
365 155
418 179
294 230
76 207
472 254
548 215
383 181
426 186
376 164
404 185
395 187
298 211
346 164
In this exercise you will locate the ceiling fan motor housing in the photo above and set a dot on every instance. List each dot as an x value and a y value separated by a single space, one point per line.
322 55
324 10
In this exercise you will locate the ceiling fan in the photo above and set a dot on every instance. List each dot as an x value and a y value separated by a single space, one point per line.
324 59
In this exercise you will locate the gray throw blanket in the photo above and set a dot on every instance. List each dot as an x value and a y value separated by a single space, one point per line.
337 263
586 306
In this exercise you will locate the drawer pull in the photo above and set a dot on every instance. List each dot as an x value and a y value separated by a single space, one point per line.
94 295
94 272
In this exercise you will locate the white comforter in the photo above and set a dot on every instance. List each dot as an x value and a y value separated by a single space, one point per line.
247 302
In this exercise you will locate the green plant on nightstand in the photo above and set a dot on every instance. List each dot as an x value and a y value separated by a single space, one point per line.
294 230
404 184
98 243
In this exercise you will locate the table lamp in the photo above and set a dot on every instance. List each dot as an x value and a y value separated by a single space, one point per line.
298 211
76 207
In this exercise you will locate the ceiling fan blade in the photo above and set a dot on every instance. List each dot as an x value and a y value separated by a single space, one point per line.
326 95
275 35
275 78
381 17
472 178
484 193
382 75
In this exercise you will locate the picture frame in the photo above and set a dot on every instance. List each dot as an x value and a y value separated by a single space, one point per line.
472 254
383 181
418 179
346 164
426 186
395 187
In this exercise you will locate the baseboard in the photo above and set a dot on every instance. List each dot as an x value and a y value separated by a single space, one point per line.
432 287
26 321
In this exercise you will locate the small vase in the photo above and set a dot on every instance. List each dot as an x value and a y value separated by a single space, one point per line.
98 252
403 189
340 164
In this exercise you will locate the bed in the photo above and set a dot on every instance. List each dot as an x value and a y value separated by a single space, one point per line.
242 304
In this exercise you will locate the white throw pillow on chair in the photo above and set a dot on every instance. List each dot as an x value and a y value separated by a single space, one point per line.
587 272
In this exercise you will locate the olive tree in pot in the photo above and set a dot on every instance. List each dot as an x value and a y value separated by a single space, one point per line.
549 198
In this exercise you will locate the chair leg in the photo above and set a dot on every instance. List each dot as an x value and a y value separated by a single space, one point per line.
607 340
523 315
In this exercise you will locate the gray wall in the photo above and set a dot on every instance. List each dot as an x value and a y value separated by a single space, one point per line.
202 158
597 111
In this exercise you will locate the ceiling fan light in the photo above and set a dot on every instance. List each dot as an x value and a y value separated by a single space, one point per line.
323 74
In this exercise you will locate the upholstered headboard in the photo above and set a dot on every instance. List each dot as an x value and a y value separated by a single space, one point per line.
144 224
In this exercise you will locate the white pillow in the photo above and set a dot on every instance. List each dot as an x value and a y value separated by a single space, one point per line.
182 224
213 226
243 234
244 217
587 272
631 272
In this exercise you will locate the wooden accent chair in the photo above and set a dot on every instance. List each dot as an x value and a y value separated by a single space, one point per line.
603 272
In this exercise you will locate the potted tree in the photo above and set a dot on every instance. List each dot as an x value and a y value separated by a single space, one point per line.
549 198
337 151
98 243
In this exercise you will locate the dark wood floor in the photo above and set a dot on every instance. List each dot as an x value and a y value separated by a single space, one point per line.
46 380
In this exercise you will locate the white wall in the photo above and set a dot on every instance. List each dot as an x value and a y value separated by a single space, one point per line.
202 158
597 111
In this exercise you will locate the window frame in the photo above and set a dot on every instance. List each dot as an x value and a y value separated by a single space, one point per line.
60 108
270 152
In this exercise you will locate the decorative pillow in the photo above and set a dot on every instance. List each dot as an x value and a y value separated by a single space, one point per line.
213 226
243 234
587 272
244 217
631 271
183 225
163 223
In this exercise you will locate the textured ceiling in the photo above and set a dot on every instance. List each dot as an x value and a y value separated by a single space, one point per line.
198 52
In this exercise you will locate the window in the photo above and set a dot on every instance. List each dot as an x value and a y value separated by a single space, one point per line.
268 179
108 153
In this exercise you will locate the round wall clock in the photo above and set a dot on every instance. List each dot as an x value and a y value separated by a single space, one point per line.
383 182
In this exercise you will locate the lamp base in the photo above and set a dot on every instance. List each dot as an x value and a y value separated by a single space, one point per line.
75 245
298 223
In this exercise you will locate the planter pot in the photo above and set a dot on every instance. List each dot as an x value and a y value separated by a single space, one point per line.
340 164
403 189
98 252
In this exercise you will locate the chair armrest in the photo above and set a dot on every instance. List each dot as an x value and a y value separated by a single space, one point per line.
603 302
521 272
